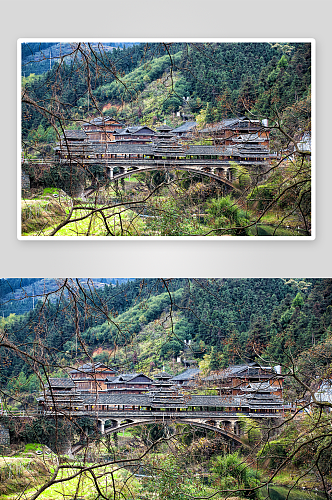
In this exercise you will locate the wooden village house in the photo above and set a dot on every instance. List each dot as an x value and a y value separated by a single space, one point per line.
101 128
244 379
133 383
92 377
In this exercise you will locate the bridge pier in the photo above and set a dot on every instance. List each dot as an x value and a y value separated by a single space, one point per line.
101 425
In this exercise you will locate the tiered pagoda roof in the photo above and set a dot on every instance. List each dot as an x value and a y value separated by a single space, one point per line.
167 145
62 394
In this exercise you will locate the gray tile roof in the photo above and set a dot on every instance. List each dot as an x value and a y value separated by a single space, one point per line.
61 382
148 149
91 367
171 149
228 122
163 375
172 399
185 127
229 371
142 129
187 375
243 371
190 400
164 128
129 377
100 120
75 134
231 123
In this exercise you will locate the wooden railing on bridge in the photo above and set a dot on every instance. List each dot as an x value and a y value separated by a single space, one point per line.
20 413
168 414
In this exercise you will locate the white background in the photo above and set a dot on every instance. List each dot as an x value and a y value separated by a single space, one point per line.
169 18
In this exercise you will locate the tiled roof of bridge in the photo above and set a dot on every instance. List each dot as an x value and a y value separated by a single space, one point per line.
244 150
116 399
172 400
147 149
115 148
173 148
145 400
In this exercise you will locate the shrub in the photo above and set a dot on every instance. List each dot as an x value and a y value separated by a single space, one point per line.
273 453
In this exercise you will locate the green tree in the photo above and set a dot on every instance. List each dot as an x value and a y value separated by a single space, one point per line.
298 301
233 473
214 360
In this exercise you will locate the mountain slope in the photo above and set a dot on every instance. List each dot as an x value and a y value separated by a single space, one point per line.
19 295
151 321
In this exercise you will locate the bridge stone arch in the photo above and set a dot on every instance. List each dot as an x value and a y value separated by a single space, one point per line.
122 424
212 172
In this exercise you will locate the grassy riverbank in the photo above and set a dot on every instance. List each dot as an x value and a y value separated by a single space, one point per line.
22 474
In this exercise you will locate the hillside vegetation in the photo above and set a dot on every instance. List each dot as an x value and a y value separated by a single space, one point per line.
226 320
219 79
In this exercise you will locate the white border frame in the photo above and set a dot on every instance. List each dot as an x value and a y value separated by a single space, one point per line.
312 41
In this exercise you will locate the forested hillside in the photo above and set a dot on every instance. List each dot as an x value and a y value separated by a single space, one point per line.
19 295
219 79
226 320
40 57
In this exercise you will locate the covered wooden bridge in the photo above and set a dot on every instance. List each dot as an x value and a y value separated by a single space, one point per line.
164 153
